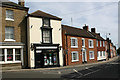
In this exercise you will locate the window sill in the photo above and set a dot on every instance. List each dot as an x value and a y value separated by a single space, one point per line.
8 62
91 58
75 60
74 46
10 40
91 47
8 19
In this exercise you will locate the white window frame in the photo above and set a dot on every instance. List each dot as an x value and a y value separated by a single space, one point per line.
93 55
9 19
92 43
5 53
97 43
100 43
76 42
103 43
77 56
84 42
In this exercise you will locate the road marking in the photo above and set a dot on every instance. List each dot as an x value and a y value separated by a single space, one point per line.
77 72
59 72
91 72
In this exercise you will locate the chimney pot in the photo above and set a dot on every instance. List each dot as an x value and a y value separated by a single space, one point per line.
85 27
93 30
21 2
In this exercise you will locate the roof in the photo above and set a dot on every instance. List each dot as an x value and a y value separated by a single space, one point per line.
7 3
98 37
39 13
77 32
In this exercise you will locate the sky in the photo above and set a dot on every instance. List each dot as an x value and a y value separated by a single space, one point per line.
100 15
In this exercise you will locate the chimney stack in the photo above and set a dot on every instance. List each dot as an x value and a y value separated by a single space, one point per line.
85 27
93 30
21 2
98 34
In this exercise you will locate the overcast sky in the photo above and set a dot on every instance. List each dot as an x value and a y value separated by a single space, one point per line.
101 15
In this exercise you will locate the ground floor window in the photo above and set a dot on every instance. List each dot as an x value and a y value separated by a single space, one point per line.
75 56
91 54
103 53
10 54
1 54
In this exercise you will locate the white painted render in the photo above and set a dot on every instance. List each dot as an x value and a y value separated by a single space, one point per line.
35 36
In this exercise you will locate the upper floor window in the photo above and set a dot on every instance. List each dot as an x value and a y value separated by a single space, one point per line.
9 15
9 33
2 55
103 43
91 54
75 56
83 42
91 44
100 43
46 36
74 43
97 43
46 22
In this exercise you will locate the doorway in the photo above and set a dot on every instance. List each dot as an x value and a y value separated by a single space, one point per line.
84 57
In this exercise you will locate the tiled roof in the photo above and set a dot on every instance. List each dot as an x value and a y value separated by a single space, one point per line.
39 13
97 36
77 32
7 3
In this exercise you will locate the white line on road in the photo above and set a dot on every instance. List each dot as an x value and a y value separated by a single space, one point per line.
77 72
91 72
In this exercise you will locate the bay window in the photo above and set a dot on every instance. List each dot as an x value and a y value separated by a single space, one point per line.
2 55
17 55
9 54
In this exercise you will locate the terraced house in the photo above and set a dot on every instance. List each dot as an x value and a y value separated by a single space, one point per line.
44 40
79 45
100 43
13 33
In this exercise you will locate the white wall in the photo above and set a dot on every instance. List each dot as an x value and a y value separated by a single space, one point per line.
35 35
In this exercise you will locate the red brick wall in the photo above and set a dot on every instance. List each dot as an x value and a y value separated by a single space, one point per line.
68 59
100 48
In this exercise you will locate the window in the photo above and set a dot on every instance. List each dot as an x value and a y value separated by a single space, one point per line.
9 54
103 53
100 53
46 22
9 15
97 43
74 43
91 44
91 54
75 56
9 32
17 55
46 36
103 43
100 43
83 42
2 55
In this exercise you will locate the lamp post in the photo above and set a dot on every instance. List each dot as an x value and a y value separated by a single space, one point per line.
107 34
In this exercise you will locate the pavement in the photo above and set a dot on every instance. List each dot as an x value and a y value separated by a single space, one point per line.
64 67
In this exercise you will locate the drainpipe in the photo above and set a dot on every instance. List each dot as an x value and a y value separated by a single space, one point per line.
66 47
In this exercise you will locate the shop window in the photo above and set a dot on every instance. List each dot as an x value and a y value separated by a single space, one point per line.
75 56
17 55
2 55
9 54
91 54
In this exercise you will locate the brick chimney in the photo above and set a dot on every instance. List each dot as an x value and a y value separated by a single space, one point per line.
85 27
93 30
98 34
21 2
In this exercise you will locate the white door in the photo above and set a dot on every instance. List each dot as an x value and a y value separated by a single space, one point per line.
84 56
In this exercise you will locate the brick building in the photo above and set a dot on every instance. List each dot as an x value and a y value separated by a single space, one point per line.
13 33
100 43
79 45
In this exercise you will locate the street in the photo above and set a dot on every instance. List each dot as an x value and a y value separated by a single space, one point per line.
106 70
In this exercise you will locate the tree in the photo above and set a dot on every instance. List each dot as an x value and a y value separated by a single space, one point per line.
118 51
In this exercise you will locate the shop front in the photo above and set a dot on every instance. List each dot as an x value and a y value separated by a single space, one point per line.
46 55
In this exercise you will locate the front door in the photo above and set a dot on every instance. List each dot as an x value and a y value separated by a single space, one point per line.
84 57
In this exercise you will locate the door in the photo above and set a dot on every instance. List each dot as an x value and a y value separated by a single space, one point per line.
84 57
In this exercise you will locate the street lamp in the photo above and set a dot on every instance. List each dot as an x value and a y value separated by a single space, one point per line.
107 34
